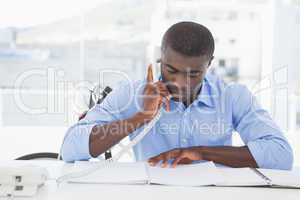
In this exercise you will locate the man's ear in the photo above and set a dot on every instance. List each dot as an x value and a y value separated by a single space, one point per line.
211 59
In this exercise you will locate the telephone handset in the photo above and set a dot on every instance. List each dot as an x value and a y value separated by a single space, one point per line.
116 157
158 76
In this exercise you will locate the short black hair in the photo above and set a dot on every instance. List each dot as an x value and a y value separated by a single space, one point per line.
190 39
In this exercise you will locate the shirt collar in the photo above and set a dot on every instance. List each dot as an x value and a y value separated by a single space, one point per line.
206 95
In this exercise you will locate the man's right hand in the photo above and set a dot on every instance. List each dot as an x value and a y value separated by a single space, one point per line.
103 137
155 94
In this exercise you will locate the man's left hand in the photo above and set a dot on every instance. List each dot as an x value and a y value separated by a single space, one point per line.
179 156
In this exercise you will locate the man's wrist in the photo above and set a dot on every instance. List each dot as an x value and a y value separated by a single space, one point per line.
207 153
200 150
143 117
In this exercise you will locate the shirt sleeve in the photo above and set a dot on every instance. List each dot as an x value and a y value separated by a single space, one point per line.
259 132
76 142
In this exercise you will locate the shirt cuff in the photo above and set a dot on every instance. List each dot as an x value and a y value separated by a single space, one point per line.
76 144
257 153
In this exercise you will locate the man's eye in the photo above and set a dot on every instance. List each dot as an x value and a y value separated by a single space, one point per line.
171 71
194 75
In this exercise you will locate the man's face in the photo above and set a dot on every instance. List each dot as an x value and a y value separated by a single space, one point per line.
183 74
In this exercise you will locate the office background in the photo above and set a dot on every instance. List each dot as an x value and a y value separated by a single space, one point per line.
52 53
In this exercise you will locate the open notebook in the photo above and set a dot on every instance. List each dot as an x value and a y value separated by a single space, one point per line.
201 174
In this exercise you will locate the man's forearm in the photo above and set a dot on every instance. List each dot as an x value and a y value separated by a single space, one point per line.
230 156
104 137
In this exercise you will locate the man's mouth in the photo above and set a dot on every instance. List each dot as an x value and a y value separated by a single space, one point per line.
179 96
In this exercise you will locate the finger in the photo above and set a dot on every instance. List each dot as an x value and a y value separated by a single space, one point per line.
167 103
154 160
176 161
165 99
185 161
150 74
165 163
165 92
161 86
160 103
173 154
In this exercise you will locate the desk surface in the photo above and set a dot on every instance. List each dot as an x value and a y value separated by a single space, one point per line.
151 192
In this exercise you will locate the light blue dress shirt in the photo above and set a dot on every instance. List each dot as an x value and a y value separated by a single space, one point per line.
210 120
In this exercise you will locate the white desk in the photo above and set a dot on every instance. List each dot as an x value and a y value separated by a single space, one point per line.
151 192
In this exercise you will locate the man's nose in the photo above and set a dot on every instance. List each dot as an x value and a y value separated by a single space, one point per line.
181 82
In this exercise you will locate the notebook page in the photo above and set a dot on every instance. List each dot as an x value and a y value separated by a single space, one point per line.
201 174
115 173
240 177
282 177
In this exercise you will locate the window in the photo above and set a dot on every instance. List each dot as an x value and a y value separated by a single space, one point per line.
50 62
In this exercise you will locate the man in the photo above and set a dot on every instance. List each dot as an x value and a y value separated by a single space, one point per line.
197 122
